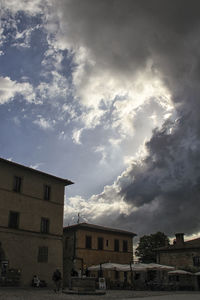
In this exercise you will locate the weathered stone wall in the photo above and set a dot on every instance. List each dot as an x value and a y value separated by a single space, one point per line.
95 256
179 258
21 245
30 201
21 250
77 256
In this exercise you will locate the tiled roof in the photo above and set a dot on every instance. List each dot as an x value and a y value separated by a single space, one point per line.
98 228
193 243
187 245
65 181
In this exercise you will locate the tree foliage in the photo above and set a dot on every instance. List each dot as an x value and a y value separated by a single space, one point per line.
147 244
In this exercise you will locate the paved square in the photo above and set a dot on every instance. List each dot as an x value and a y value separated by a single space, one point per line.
44 294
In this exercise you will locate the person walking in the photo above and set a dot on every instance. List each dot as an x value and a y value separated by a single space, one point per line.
57 280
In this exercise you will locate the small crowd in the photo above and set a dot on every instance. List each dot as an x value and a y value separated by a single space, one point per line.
56 277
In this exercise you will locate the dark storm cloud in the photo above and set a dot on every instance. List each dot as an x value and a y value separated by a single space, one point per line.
165 189
122 36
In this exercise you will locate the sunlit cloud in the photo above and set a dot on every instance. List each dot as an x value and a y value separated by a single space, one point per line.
10 88
119 89
76 136
43 123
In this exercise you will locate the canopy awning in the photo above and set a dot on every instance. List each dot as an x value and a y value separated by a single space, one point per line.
127 267
105 266
180 272
153 266
197 273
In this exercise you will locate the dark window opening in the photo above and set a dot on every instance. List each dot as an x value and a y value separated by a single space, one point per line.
125 276
100 243
116 274
106 243
100 273
43 254
137 276
196 261
47 192
88 242
44 225
174 278
151 275
116 245
13 220
66 243
125 246
17 184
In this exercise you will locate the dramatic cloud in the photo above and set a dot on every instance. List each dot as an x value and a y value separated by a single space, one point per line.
127 39
113 70
28 6
116 85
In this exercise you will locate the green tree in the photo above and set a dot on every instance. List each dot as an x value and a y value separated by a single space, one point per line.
147 244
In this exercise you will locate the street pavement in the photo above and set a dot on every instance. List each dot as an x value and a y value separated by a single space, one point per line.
44 294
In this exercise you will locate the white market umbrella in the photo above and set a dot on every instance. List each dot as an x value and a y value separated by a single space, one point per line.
127 267
139 267
180 272
105 266
197 273
152 266
122 267
94 268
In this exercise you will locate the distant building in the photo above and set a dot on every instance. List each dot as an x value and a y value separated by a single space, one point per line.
88 244
31 222
182 255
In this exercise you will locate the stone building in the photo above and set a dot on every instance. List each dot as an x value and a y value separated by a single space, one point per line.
182 254
31 222
87 244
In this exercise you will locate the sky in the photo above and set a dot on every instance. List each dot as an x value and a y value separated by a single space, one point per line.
106 94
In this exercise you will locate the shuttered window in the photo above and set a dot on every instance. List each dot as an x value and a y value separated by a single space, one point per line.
17 184
100 243
47 192
116 245
13 220
44 225
88 242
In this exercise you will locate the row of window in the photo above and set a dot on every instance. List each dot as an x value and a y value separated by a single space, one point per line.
17 187
42 256
100 244
14 222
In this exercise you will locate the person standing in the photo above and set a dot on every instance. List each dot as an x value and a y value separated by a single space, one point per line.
36 281
57 280
80 273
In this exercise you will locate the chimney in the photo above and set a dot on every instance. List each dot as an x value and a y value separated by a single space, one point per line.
179 239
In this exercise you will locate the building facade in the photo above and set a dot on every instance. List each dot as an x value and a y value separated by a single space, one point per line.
31 222
87 244
182 254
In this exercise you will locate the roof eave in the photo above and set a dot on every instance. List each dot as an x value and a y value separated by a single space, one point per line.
65 181
111 230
